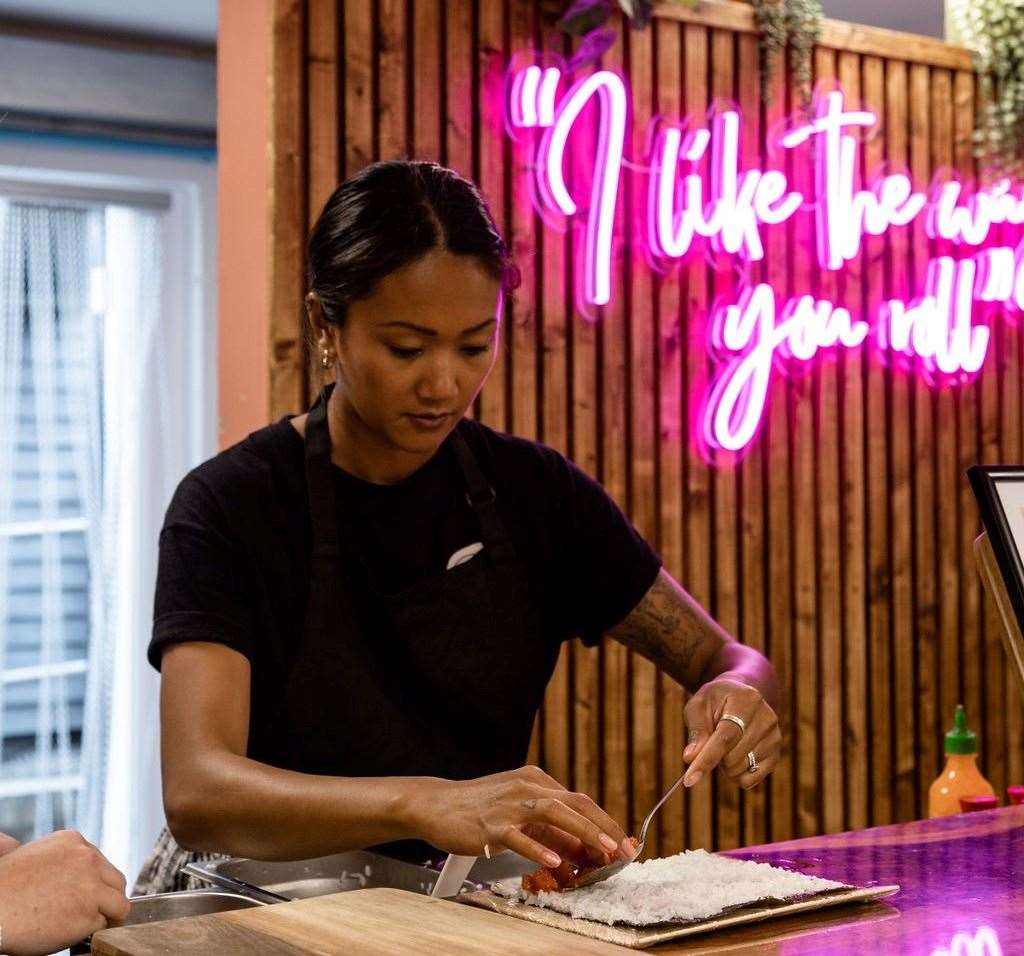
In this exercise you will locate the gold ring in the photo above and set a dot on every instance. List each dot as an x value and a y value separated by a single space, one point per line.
738 721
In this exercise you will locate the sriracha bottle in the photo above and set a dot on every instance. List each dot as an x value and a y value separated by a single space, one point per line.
961 776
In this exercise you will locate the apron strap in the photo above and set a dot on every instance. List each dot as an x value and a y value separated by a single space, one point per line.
481 495
319 485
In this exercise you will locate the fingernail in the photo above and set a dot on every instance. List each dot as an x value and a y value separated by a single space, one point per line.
608 843
691 779
627 849
551 859
689 751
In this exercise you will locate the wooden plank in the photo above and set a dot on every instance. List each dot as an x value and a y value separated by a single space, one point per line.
391 64
555 323
697 509
613 351
923 399
753 556
287 210
322 121
782 784
495 157
904 714
588 703
643 383
947 477
836 34
993 718
358 34
968 402
856 739
426 88
802 402
522 330
829 501
672 436
879 577
458 92
1010 431
725 605
322 125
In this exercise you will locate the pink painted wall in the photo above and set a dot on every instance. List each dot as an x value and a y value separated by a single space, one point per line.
243 49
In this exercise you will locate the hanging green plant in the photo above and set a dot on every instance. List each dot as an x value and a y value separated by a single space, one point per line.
586 19
994 32
792 23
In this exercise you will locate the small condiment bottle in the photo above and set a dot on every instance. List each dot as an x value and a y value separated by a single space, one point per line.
961 776
1016 795
978 802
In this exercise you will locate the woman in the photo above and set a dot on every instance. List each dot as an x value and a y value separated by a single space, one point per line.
358 608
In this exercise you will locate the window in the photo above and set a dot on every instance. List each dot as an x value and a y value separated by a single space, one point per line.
49 388
107 399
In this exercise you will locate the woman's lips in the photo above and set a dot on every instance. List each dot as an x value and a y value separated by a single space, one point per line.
429 422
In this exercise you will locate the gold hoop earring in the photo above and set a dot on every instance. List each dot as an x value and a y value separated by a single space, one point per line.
325 359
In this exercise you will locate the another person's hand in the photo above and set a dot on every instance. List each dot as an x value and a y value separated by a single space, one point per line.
56 891
714 741
523 810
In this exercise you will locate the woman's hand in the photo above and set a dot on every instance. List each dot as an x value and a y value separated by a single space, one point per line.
523 810
714 741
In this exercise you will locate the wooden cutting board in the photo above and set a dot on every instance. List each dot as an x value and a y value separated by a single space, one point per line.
377 921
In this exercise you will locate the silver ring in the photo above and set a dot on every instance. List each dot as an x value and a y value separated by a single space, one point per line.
752 765
738 721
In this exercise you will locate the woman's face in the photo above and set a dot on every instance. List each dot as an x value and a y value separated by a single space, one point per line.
413 355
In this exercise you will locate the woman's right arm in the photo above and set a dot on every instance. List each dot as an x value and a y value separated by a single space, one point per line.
217 799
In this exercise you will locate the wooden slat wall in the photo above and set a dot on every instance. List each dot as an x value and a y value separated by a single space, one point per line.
841 544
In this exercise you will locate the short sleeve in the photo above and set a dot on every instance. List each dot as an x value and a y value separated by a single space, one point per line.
609 566
200 590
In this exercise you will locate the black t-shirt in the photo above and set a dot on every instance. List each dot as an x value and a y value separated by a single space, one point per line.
234 549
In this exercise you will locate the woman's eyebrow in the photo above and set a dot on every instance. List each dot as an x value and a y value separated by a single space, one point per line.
423 330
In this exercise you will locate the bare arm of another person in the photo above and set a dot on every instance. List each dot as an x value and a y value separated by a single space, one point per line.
672 630
216 798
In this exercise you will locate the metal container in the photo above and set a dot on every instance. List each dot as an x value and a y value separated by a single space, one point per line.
279 881
161 906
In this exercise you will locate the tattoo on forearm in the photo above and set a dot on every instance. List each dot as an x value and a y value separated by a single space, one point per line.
670 629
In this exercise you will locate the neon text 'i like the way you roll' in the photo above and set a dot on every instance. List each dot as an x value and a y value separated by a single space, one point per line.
699 195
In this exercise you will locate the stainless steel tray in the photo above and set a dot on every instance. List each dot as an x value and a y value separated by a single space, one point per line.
280 881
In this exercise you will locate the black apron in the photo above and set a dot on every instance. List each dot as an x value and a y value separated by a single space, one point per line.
441 679
429 681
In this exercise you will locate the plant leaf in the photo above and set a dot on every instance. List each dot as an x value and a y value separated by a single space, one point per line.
590 49
638 11
583 16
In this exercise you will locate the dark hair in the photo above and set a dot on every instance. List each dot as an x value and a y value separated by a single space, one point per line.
390 214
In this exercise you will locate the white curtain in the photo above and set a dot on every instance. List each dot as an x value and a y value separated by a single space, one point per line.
51 599
144 459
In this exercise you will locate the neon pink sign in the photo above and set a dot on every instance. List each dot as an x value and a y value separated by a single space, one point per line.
697 192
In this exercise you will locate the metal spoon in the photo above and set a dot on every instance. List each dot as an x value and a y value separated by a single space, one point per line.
610 869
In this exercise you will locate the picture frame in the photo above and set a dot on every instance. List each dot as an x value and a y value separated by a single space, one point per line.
999 490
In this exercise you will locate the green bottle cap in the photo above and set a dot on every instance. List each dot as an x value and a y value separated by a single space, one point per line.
960 740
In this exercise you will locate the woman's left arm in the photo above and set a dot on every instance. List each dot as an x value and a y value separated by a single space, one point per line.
672 630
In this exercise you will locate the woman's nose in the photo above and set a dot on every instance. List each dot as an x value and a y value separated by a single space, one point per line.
439 383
